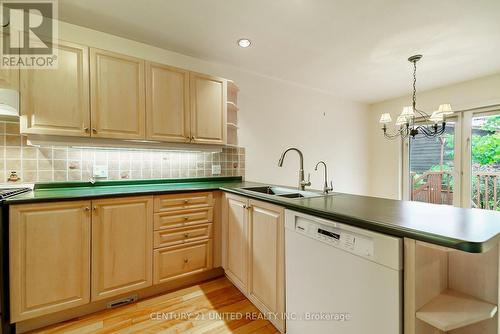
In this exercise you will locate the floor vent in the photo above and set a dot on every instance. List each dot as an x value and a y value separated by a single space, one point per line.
122 301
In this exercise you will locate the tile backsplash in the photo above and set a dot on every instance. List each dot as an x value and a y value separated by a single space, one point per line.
62 163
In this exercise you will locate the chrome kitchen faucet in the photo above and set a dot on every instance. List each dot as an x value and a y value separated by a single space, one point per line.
302 182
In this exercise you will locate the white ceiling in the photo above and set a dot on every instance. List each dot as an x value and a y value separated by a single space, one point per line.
353 49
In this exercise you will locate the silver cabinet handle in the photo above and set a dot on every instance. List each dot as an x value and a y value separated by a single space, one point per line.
94 130
86 208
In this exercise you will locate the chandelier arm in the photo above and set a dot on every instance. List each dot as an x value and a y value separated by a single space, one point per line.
422 113
402 132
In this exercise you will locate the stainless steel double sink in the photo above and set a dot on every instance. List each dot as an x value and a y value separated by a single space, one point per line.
283 192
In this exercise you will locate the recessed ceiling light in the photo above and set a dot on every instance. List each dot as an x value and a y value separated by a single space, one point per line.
244 42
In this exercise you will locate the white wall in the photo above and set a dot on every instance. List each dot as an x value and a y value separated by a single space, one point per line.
385 155
274 114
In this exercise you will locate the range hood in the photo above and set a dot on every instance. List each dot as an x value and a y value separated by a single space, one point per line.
9 102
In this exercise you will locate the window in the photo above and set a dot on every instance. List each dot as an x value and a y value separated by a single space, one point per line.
439 171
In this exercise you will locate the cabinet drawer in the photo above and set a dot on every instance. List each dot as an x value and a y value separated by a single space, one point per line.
183 218
175 262
179 236
182 201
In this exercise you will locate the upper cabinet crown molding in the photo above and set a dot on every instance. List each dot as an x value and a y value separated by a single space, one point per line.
118 105
56 102
167 103
208 109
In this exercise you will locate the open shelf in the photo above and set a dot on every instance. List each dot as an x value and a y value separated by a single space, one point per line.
232 105
232 136
232 114
231 86
451 310
232 92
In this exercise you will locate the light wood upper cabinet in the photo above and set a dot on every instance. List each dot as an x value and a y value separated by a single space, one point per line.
49 258
266 287
9 78
208 109
122 245
56 102
236 240
118 105
167 103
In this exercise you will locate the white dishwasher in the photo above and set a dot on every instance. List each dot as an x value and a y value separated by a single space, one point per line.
341 279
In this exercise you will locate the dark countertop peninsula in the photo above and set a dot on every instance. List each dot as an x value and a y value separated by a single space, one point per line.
469 230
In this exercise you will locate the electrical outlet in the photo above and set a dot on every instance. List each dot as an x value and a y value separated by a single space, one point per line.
216 170
100 171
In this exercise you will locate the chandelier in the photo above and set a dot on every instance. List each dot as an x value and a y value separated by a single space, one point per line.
413 121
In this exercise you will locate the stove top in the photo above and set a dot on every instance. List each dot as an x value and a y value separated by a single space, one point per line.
9 192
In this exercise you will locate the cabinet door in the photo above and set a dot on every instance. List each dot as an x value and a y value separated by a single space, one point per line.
9 78
236 247
266 288
117 95
122 245
57 102
49 258
167 103
208 109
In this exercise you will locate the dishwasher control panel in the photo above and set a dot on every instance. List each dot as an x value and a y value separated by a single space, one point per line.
335 236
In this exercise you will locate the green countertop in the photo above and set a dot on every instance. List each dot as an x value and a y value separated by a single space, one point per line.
469 230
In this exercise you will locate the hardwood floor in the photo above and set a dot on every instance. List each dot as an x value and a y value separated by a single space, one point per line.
211 307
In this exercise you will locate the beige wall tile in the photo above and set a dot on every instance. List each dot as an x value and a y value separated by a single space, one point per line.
12 128
60 175
45 176
74 175
30 164
13 165
60 163
61 153
29 176
13 140
13 152
29 152
44 164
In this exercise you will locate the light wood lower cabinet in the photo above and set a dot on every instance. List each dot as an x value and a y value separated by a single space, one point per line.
266 276
178 261
49 258
254 252
68 254
236 248
183 235
122 232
